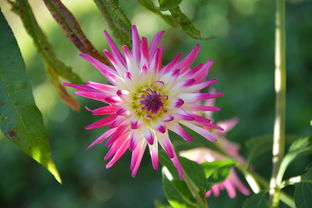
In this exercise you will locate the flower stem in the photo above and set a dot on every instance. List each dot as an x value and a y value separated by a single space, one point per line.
200 200
280 89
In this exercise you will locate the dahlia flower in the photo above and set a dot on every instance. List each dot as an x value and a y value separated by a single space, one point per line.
146 99
200 155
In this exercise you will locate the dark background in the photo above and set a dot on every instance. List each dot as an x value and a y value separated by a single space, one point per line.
243 51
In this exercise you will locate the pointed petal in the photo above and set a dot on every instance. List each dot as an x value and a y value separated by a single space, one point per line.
205 133
135 44
114 48
101 138
189 59
103 122
176 128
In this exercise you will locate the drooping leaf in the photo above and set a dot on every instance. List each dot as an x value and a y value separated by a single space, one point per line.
22 8
116 19
148 4
298 148
20 119
54 67
217 171
259 200
72 29
168 4
303 191
186 24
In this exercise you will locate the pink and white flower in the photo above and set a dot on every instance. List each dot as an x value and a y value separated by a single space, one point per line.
146 99
201 155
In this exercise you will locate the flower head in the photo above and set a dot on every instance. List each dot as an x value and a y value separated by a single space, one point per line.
200 155
146 99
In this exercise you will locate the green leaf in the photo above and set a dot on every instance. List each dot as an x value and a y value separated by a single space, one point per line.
177 192
72 29
168 4
54 67
116 19
148 4
22 8
20 119
299 148
257 146
196 173
217 171
259 200
303 191
192 169
186 24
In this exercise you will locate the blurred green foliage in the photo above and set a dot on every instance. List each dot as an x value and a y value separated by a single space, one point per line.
243 51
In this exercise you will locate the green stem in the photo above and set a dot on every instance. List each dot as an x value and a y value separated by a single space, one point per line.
201 201
280 89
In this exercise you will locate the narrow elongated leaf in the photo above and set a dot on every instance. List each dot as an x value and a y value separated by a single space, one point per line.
259 200
22 8
54 67
20 119
168 4
72 29
303 191
116 19
217 171
298 148
148 4
186 24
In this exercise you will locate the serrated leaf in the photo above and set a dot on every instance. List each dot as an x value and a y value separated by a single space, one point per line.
298 148
259 200
168 4
186 24
20 119
303 191
217 171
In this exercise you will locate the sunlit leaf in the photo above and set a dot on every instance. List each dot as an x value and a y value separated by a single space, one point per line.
168 4
217 171
259 200
303 191
20 119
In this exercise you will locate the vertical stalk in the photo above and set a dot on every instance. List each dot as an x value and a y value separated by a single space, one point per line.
280 102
